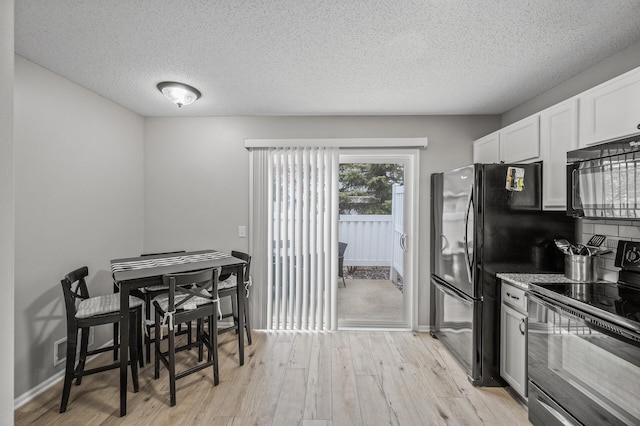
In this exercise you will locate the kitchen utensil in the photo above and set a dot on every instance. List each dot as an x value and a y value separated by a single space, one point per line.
596 241
603 251
580 268
563 245
583 250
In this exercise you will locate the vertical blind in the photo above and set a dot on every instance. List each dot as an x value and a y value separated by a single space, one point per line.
302 238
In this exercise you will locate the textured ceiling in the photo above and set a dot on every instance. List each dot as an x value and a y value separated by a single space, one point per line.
323 57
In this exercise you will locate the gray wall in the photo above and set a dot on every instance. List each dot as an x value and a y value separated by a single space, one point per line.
89 168
607 69
79 162
78 201
6 211
202 163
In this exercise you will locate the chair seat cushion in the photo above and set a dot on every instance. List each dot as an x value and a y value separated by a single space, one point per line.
163 301
107 304
152 288
230 282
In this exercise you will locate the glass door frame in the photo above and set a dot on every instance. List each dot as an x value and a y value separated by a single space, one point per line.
410 159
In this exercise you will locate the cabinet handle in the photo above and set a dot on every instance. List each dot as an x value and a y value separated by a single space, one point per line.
512 296
520 326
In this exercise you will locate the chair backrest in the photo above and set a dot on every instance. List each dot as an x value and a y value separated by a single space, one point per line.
74 287
342 247
166 252
203 283
247 258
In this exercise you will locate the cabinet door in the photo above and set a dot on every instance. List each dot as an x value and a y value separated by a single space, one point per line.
487 149
513 349
558 135
520 141
611 110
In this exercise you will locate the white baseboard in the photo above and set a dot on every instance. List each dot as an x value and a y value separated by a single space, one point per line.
44 386
53 380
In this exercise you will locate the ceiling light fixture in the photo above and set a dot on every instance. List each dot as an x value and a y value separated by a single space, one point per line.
179 93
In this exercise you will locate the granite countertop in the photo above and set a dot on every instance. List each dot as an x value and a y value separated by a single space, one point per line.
523 280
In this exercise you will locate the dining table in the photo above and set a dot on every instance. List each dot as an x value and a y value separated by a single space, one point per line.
136 272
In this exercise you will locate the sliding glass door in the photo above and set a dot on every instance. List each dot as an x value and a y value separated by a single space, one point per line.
301 259
376 289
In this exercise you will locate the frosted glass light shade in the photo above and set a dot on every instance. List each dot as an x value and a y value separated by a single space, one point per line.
179 93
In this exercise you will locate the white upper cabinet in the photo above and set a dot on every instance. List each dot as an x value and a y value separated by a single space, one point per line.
558 135
487 149
520 141
611 110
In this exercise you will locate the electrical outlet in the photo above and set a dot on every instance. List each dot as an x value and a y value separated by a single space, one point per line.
242 231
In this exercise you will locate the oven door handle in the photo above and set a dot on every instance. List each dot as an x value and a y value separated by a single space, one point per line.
559 417
585 319
556 307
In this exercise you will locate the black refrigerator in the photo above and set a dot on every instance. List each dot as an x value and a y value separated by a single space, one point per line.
486 219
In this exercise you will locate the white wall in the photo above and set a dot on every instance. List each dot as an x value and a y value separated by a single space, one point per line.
197 172
78 201
6 212
607 69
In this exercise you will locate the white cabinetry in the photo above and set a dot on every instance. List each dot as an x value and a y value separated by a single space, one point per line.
558 135
608 111
487 149
513 338
611 110
520 141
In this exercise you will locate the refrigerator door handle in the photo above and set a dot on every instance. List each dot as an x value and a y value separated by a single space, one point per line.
451 292
469 260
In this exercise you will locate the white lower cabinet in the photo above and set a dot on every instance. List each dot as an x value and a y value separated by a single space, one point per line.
513 339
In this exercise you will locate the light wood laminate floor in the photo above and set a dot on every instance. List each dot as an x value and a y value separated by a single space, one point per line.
296 378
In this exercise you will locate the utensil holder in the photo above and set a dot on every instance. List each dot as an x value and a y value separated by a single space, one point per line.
580 268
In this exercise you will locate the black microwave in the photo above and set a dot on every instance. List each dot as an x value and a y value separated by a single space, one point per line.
603 181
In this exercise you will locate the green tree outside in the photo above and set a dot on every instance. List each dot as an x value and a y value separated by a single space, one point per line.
367 188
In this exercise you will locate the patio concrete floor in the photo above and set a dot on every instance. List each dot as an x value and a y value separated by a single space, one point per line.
369 300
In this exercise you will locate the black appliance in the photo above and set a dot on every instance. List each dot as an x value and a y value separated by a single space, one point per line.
601 180
485 219
584 348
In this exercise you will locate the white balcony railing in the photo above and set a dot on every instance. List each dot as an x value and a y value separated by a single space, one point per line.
374 240
369 239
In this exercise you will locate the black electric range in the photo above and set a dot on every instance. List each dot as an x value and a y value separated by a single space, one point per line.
583 348
617 302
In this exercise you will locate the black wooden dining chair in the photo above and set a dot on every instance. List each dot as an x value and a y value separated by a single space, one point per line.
342 247
84 312
228 287
147 294
192 296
